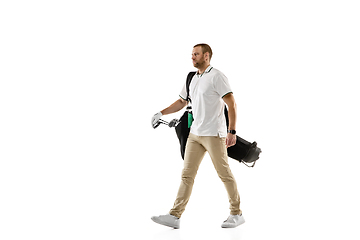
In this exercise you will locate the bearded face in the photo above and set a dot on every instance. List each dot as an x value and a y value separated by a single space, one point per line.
198 57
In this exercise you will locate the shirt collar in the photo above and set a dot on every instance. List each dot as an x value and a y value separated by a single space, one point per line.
208 69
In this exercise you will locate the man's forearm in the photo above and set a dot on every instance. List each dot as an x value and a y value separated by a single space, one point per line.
175 107
230 102
232 117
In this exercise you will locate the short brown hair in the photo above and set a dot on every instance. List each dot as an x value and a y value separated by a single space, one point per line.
205 48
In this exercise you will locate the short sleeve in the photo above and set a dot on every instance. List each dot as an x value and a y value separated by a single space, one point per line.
221 85
183 94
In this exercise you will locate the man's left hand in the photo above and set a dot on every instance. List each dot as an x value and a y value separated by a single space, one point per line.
230 140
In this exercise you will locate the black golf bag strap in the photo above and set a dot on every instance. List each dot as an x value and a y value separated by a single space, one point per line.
188 81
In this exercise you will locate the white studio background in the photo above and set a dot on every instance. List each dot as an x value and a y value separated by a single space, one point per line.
80 81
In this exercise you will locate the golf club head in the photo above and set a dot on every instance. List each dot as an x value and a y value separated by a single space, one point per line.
156 125
159 122
174 123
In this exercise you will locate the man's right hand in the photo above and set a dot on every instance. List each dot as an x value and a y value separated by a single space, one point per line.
155 119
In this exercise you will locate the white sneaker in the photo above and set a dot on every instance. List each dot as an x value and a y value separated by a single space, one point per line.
167 220
233 221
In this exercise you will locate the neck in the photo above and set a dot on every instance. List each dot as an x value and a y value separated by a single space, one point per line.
203 68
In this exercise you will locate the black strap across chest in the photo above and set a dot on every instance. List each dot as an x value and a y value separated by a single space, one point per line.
188 81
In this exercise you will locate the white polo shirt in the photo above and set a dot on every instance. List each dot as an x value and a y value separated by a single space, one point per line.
206 93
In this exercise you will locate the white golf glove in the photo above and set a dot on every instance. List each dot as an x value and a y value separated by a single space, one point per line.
155 119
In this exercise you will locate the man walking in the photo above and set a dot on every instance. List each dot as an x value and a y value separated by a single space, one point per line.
209 89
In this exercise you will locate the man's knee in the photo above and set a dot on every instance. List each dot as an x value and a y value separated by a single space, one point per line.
188 175
225 174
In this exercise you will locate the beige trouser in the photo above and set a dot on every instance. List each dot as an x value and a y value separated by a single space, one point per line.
196 147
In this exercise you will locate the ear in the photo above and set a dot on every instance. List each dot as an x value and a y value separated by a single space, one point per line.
206 55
